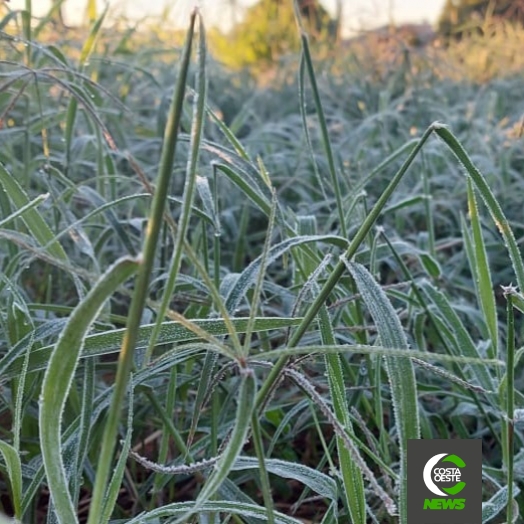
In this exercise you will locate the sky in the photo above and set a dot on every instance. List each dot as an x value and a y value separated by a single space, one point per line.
358 14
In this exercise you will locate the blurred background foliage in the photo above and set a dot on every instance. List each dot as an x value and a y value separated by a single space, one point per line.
266 34
475 39
268 31
459 16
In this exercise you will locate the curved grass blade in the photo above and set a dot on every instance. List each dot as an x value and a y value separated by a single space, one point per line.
496 504
251 190
14 474
242 509
318 482
58 380
489 199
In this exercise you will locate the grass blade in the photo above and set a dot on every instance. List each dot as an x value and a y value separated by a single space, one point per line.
125 362
328 150
507 394
189 190
32 217
479 264
400 371
489 199
14 474
109 342
58 379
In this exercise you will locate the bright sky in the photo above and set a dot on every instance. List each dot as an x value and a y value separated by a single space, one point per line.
358 14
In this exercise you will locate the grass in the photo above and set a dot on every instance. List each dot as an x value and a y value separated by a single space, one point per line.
227 303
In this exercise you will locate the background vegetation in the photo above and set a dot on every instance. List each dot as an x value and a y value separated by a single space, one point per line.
459 16
324 272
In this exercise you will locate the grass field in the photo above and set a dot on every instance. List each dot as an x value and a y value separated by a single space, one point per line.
228 302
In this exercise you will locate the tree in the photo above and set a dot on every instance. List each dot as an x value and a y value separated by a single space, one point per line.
459 15
269 31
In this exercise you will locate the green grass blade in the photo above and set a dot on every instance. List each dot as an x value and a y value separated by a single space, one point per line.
252 191
507 400
307 134
14 474
126 358
489 199
496 504
230 136
19 212
189 189
84 425
44 22
318 482
264 257
115 484
90 42
58 380
479 264
239 509
31 217
400 371
347 440
351 474
261 467
110 342
462 342
328 150
236 291
376 350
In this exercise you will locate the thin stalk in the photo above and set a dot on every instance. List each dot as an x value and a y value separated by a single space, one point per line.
325 134
189 191
510 399
27 14
126 356
264 478
216 235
